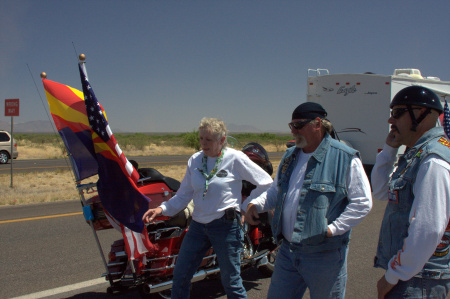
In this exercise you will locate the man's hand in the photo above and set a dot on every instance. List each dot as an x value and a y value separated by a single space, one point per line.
151 214
329 234
383 287
251 215
391 138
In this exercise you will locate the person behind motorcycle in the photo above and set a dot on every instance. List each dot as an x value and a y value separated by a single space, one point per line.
213 180
319 193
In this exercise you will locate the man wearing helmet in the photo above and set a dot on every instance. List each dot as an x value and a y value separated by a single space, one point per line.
414 238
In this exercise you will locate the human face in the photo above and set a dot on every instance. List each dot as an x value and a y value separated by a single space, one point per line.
301 124
401 124
210 144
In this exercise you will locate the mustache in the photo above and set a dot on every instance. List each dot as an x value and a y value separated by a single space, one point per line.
393 127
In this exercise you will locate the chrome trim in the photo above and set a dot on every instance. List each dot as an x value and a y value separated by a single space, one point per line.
172 264
262 262
121 254
200 275
176 232
112 264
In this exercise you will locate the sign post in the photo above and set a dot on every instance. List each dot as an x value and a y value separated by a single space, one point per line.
12 109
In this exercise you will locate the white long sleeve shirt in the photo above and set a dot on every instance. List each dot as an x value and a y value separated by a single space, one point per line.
429 216
359 196
224 189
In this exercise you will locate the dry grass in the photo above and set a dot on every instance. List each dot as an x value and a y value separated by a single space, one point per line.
54 186
45 151
59 186
37 187
31 151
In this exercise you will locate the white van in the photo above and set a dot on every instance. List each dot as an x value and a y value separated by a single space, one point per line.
5 147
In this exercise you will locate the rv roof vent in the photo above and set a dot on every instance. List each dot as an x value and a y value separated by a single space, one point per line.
415 73
434 78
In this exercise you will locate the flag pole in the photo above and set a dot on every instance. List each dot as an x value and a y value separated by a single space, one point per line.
87 212
87 209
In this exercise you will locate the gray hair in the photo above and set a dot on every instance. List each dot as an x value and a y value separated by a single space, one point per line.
216 127
326 125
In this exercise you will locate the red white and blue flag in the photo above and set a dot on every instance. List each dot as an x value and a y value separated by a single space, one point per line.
117 177
83 126
446 121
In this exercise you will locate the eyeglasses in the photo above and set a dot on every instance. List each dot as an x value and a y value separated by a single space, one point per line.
298 124
397 112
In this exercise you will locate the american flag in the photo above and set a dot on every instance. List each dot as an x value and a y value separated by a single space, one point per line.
99 124
446 120
116 185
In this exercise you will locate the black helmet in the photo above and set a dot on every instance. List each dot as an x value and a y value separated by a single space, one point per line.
418 96
257 154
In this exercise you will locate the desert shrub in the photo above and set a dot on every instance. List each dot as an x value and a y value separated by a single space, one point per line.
192 140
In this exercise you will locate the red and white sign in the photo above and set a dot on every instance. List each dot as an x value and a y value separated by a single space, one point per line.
12 107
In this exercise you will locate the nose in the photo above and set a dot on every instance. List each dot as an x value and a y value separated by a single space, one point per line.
391 120
293 130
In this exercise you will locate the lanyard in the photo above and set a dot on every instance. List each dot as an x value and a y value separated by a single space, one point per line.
204 171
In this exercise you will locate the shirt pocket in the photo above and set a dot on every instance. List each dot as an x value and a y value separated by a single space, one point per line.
400 195
316 225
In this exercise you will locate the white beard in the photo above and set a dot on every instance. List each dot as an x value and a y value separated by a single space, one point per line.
300 141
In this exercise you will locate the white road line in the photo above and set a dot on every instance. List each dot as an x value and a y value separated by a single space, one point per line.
68 288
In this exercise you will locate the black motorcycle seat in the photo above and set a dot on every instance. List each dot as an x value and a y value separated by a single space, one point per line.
153 175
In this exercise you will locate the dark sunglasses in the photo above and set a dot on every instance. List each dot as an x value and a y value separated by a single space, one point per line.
299 124
397 112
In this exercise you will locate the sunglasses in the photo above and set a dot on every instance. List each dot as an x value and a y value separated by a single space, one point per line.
397 112
299 124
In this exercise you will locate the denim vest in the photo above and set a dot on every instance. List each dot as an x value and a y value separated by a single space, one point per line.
394 228
323 196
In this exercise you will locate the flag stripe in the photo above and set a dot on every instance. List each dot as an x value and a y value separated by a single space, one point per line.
63 98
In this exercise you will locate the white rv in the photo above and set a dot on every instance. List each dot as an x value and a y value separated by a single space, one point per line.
358 104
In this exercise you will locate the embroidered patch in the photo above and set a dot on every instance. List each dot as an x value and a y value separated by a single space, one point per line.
444 246
444 141
393 196
286 164
222 173
419 153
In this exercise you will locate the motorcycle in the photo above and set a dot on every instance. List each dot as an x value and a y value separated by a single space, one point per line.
154 274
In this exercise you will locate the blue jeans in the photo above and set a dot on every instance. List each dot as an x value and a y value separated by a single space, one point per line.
323 273
420 288
226 237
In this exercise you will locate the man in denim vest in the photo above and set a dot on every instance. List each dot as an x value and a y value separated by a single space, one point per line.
414 238
320 191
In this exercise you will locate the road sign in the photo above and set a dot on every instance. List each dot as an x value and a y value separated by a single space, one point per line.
12 107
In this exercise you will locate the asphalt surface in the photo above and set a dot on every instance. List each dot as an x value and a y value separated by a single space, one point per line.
59 249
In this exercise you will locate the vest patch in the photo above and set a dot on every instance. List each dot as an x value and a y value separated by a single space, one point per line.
286 164
444 246
444 141
419 153
393 196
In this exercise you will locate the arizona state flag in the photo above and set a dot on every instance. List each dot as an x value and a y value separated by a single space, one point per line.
84 128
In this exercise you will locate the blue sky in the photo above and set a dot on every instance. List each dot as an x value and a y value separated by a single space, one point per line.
160 66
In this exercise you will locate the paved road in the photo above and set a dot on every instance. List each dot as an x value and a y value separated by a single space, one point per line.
40 165
47 253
